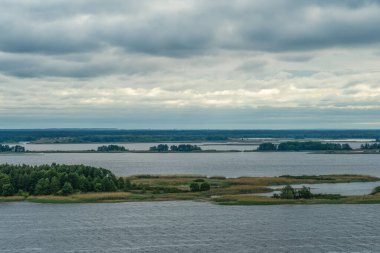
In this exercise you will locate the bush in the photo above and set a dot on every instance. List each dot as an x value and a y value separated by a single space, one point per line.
204 187
376 190
288 192
67 189
194 187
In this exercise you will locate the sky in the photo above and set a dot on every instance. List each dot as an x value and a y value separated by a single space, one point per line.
174 64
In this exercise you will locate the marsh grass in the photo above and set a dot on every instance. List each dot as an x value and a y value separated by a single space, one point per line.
229 191
11 198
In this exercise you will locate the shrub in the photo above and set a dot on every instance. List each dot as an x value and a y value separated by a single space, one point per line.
194 187
204 187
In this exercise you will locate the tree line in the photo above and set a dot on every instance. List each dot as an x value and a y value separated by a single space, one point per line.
111 148
58 180
370 146
302 146
7 148
288 192
175 148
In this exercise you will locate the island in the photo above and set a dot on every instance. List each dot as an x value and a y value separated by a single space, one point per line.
175 148
58 183
303 146
111 148
11 149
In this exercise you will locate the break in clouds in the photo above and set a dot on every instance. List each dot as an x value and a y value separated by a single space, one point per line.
95 57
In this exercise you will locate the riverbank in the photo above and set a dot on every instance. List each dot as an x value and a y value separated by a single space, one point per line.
226 191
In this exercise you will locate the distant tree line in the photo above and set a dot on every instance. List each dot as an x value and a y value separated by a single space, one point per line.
302 146
7 148
115 135
58 180
111 148
370 146
175 148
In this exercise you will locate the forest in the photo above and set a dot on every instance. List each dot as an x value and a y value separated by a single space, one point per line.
370 146
302 146
116 135
175 148
111 148
58 180
7 148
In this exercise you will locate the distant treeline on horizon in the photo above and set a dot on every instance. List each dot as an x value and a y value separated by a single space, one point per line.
115 135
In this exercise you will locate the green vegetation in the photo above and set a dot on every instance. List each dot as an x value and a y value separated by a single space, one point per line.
302 146
267 146
16 148
196 187
289 192
58 180
111 148
114 135
376 190
370 146
175 148
220 190
160 148
184 148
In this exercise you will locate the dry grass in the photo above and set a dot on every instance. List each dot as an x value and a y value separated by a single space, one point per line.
261 200
83 197
11 198
266 181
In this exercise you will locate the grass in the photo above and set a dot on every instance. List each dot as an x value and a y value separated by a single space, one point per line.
11 198
227 191
261 200
83 198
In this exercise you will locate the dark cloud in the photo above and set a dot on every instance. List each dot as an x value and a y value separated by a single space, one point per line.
155 27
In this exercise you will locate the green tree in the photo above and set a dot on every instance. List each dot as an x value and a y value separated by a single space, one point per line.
194 187
204 187
304 193
42 187
98 187
67 189
267 146
120 183
7 190
287 192
55 185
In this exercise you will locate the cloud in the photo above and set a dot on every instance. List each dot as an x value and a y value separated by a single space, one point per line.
175 28
74 57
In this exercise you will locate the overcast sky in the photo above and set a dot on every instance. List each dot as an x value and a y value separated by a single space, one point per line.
190 64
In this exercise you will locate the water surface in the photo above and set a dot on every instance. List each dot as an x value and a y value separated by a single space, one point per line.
211 164
345 189
188 227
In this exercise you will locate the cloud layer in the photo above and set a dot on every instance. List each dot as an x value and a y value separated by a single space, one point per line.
80 56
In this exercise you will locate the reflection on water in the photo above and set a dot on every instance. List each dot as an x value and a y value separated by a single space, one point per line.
188 227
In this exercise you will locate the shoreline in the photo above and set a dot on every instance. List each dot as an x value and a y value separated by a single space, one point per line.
224 191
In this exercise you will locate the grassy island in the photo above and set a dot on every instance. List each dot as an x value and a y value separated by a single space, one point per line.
83 184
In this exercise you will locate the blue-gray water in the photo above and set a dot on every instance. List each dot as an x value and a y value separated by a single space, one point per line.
346 189
188 227
146 146
194 226
224 164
